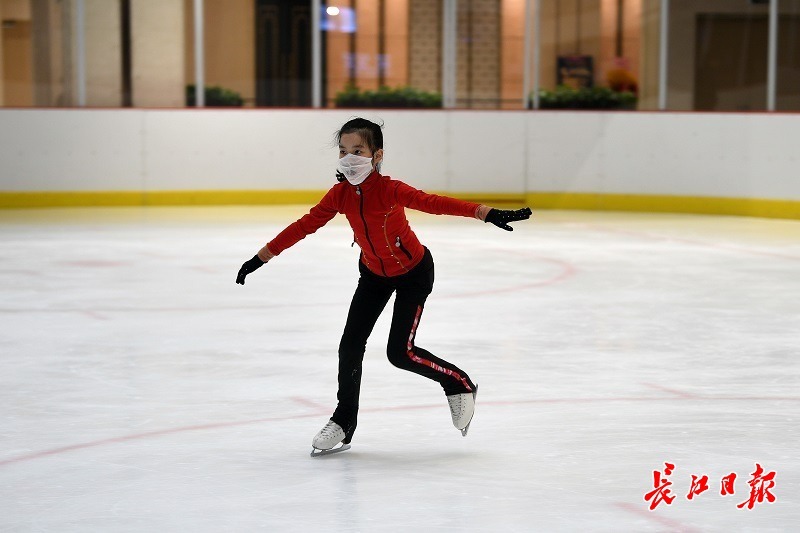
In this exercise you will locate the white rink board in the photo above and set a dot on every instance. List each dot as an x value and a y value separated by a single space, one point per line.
686 154
59 150
724 155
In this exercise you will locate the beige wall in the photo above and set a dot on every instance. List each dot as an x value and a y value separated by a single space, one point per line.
16 54
103 54
478 53
336 57
632 36
157 47
425 45
367 44
16 9
17 75
396 38
2 71
230 45
512 52
51 43
649 56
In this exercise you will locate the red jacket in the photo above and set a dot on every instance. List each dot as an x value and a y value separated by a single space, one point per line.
376 212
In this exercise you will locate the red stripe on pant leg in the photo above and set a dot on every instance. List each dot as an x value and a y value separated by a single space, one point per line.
417 359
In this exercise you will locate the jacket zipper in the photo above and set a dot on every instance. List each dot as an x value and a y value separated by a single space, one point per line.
399 244
388 244
366 229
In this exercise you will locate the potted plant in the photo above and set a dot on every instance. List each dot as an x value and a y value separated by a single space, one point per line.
386 97
586 98
214 97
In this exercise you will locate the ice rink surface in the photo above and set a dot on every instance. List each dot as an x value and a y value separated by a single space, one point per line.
141 389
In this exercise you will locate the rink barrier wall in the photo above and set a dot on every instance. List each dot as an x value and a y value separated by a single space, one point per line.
721 163
30 199
755 207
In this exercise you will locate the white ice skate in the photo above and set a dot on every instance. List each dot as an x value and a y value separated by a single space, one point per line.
462 409
326 440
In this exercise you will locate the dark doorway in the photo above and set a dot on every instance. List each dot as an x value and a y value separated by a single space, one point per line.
731 62
283 53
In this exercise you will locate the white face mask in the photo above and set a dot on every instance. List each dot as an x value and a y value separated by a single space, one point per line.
354 168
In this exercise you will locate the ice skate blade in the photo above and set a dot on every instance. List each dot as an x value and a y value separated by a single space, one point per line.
319 453
474 397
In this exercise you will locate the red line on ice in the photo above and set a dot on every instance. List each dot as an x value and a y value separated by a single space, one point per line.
673 525
222 425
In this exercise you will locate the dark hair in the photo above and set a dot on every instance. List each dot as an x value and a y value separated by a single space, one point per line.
369 131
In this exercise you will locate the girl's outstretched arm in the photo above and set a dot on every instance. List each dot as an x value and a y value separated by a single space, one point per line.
444 205
318 216
434 204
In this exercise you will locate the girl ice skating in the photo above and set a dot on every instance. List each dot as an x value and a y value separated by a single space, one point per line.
392 260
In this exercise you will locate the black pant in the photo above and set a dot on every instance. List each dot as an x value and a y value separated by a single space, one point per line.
369 300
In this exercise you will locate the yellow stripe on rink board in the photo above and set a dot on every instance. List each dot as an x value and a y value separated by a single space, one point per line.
233 197
28 199
701 205
19 200
768 208
488 198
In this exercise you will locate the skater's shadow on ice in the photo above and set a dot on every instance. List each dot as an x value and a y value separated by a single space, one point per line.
405 461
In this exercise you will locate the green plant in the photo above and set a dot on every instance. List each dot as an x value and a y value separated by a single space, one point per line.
400 97
586 98
214 97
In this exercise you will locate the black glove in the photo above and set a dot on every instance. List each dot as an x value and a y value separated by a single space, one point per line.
251 265
501 217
